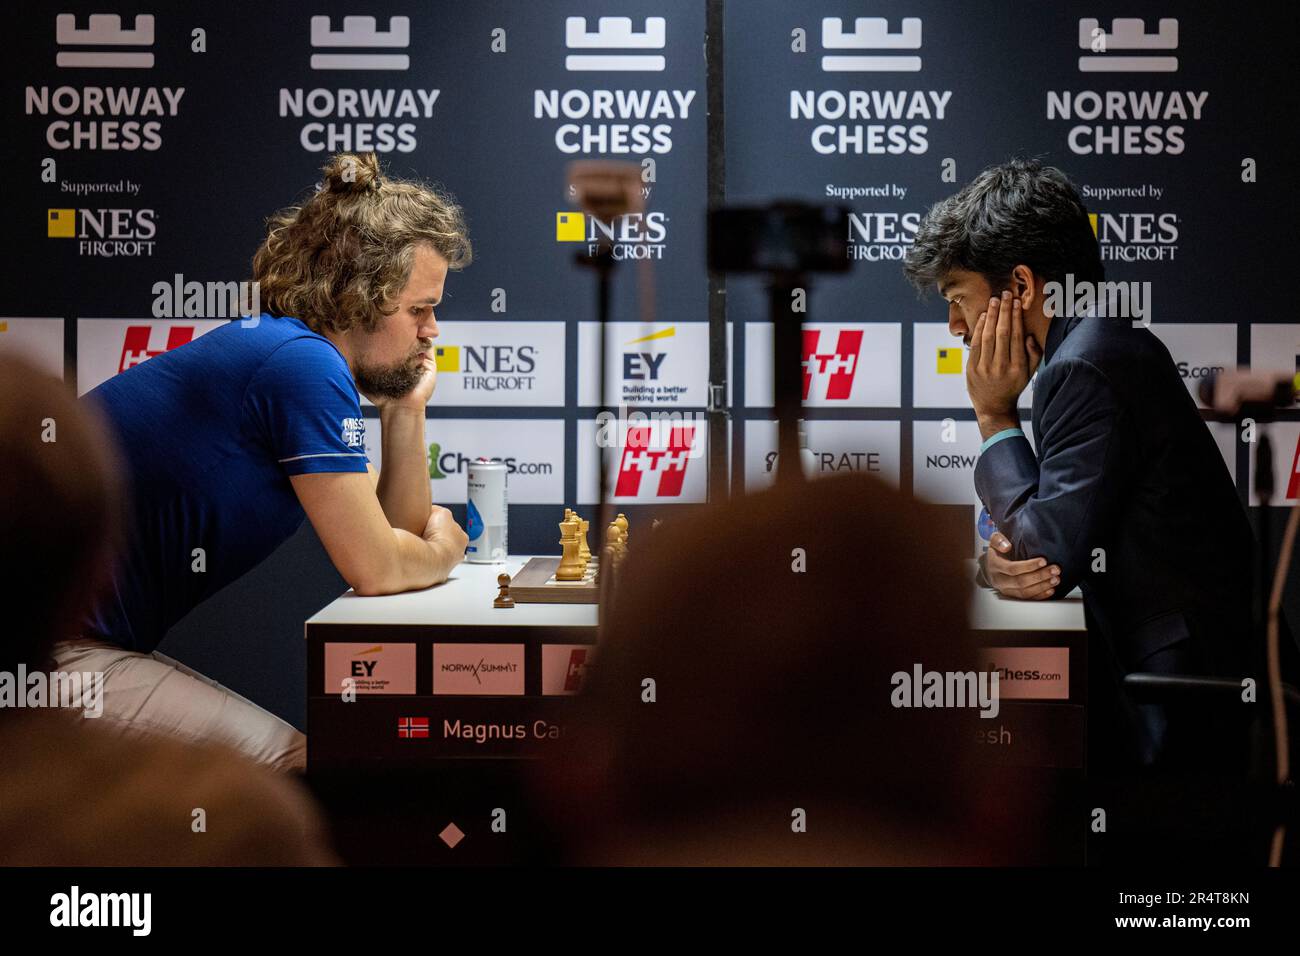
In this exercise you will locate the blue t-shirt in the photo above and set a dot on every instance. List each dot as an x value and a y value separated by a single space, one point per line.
210 433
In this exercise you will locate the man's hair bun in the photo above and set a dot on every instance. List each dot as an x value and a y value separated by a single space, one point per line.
352 173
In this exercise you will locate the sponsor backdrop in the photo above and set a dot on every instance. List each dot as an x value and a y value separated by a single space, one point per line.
147 145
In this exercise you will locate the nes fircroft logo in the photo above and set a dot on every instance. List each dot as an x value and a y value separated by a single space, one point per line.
832 368
882 236
105 233
638 116
880 106
104 29
1136 236
135 103
1127 33
645 453
353 119
1137 122
633 236
138 344
361 33
614 33
871 33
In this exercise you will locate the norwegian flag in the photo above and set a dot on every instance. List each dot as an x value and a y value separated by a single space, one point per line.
135 347
837 368
413 727
639 457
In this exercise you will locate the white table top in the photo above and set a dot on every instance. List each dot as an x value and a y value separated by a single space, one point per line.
990 611
465 598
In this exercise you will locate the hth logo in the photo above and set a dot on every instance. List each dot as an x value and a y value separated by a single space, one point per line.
1127 33
361 32
871 33
135 348
105 30
614 33
576 672
639 366
639 458
1293 486
837 368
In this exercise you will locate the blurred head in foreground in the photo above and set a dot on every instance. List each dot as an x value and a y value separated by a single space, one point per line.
62 521
772 627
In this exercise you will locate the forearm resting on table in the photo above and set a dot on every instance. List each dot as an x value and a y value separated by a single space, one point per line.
415 564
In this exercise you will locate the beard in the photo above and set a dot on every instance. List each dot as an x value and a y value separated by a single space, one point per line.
390 381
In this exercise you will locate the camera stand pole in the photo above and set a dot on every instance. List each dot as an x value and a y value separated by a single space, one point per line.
787 371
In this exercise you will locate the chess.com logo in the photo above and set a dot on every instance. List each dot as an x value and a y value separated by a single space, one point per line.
138 344
1130 122
896 120
359 119
832 369
643 458
117 117
614 121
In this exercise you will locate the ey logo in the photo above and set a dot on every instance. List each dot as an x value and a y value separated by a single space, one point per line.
614 33
871 33
639 458
836 368
948 361
366 668
1127 33
361 33
135 346
640 366
61 223
105 29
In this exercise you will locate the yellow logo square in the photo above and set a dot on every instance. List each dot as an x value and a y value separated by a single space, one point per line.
61 224
949 362
1092 218
570 227
446 358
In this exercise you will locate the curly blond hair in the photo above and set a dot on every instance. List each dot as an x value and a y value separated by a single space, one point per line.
336 261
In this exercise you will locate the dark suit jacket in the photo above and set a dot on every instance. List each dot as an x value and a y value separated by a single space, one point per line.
1129 495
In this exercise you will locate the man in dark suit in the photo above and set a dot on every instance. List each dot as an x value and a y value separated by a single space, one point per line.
1126 494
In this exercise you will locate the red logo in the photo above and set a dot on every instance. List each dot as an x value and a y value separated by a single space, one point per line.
639 457
577 671
413 726
135 348
836 368
1293 486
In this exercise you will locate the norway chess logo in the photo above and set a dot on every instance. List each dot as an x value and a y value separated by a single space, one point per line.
836 369
1127 33
136 345
871 33
361 33
614 33
104 29
640 458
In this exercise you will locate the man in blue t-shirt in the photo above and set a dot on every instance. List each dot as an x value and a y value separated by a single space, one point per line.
230 440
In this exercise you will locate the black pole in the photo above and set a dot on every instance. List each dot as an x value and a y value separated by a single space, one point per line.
787 372
716 179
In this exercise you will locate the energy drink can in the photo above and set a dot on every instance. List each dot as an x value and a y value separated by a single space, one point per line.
486 521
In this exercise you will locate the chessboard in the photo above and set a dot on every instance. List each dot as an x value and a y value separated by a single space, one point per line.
536 584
